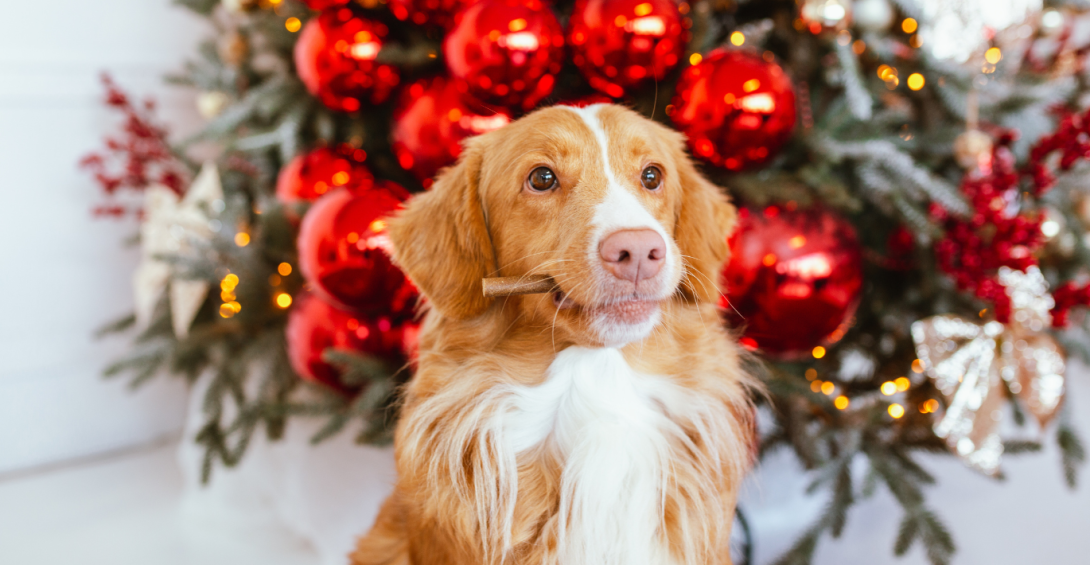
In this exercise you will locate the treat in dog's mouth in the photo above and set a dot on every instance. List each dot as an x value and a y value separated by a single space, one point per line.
631 310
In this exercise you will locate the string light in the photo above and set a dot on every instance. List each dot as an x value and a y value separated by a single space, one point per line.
293 24
737 38
242 239
859 46
230 306
284 269
889 388
811 374
915 81
695 59
902 384
815 386
896 410
818 352
909 25
827 388
841 402
993 55
917 366
929 406
283 300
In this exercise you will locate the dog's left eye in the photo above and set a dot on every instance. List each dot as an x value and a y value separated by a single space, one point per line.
542 179
651 178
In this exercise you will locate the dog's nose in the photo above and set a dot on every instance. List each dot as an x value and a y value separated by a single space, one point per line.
633 255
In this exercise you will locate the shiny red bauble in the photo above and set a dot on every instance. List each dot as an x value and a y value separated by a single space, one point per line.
505 52
430 122
344 251
335 58
620 44
736 109
315 326
310 175
427 12
324 4
794 279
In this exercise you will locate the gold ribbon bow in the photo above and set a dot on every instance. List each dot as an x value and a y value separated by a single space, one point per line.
974 366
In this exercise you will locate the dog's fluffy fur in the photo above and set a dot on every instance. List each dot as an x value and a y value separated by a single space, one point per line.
551 429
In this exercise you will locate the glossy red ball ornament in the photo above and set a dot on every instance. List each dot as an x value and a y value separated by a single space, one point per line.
794 279
344 251
312 174
430 122
588 100
335 58
505 52
621 44
427 12
736 108
314 326
324 4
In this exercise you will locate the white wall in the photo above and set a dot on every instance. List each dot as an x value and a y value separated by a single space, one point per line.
62 272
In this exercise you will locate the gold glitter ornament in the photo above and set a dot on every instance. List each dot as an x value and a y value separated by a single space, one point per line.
233 48
973 365
211 104
238 6
825 14
972 148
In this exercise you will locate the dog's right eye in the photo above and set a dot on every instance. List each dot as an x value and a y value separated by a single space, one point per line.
542 179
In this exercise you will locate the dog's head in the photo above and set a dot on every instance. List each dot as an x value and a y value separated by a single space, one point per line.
599 198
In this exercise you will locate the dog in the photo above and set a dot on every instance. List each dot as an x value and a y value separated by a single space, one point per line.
607 422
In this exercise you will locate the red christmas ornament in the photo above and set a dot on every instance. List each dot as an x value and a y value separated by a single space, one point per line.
431 121
344 251
620 44
335 57
315 325
588 100
427 12
324 4
794 279
736 109
308 176
505 52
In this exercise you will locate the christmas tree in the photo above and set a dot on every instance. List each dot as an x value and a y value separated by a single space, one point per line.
913 249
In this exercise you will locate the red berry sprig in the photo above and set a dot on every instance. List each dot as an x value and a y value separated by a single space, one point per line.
1003 230
999 233
137 158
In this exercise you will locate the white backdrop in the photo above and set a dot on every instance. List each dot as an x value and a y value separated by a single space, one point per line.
63 273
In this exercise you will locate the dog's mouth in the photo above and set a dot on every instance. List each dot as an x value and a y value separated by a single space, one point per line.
629 310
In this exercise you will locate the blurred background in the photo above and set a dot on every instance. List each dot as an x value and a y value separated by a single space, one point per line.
89 471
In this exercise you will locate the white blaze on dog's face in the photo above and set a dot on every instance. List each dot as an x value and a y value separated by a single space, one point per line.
599 198
623 231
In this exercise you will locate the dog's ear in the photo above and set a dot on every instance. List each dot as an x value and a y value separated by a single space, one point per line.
441 239
706 219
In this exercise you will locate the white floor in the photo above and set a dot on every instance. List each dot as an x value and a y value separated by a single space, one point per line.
120 510
129 508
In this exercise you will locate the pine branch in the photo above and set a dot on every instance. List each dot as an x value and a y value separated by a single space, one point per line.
859 99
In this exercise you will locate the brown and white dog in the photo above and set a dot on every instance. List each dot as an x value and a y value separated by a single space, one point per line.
605 423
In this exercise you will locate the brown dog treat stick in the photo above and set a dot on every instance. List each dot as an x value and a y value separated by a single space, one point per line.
510 286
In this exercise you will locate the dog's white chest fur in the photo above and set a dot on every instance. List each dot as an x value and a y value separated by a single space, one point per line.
610 426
